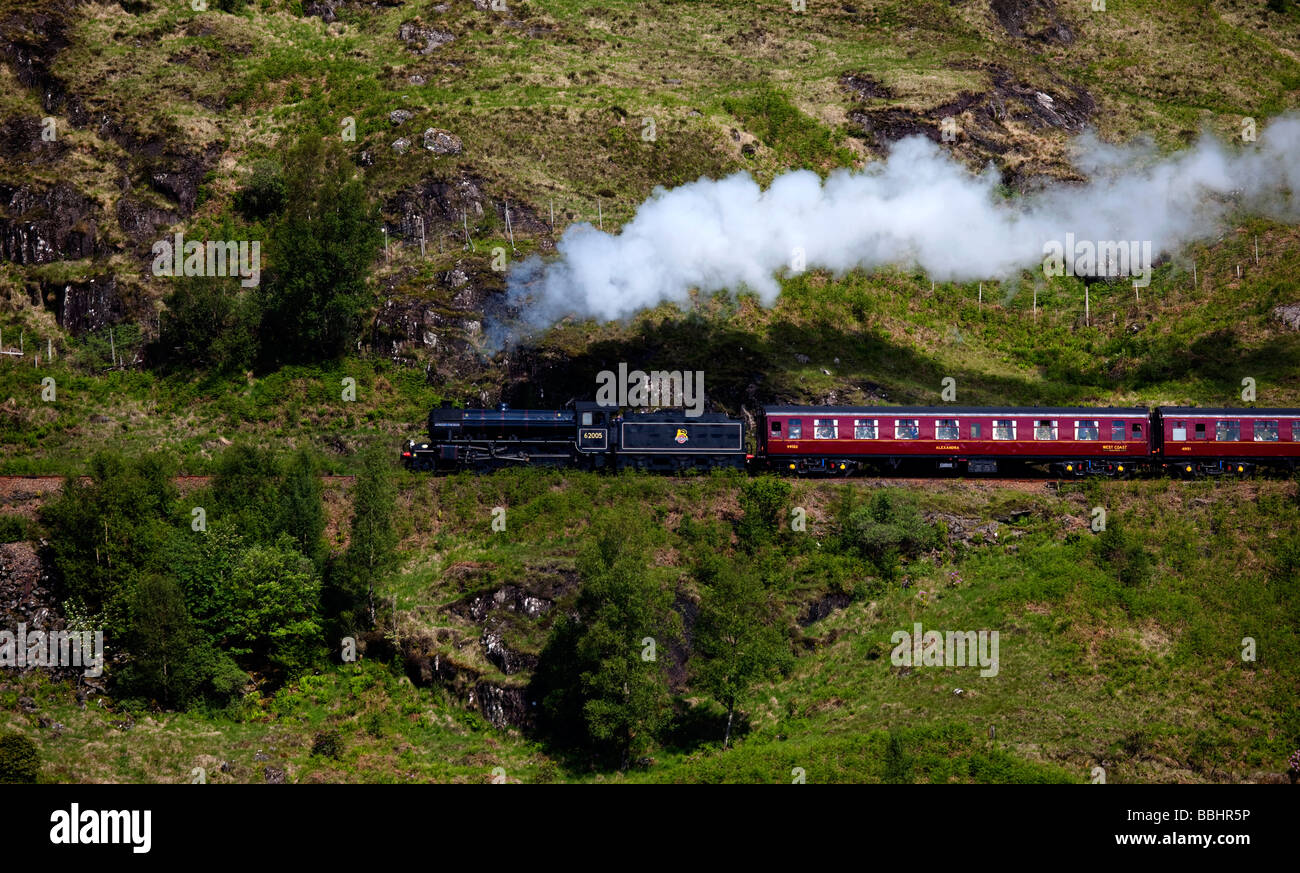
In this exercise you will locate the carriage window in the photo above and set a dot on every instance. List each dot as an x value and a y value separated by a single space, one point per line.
796 428
947 429
826 428
1179 431
1045 430
1117 430
864 428
1087 430
975 428
1004 429
1200 431
1266 431
776 428
1137 430
1227 431
906 429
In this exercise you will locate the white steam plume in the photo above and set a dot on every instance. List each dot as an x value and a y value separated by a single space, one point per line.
919 207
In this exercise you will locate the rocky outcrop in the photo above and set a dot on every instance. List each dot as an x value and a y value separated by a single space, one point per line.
1289 315
503 705
423 40
442 142
1033 20
27 598
443 202
442 321
40 225
487 620
505 659
983 123
84 306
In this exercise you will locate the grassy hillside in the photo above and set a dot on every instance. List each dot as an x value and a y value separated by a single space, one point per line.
1141 674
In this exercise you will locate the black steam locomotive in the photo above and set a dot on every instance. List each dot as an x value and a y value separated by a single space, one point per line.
844 441
589 436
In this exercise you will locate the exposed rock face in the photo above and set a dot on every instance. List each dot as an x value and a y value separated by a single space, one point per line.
503 706
423 40
823 607
22 138
41 225
401 145
1288 315
983 122
508 597
82 307
506 660
442 142
26 598
1036 20
144 222
443 201
495 616
327 10
445 318
865 87
399 116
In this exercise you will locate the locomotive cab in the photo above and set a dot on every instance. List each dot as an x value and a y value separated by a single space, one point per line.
593 430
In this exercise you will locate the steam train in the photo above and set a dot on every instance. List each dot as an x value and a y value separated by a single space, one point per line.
855 440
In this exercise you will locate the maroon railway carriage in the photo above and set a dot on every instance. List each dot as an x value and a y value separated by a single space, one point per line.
1193 440
840 440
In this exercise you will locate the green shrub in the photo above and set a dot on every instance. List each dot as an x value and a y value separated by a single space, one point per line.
20 760
13 529
1124 554
264 194
762 503
327 744
887 530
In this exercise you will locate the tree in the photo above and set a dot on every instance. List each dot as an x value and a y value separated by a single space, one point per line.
264 194
737 641
246 490
372 546
106 533
160 637
321 248
601 683
302 512
209 323
171 660
762 501
268 607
